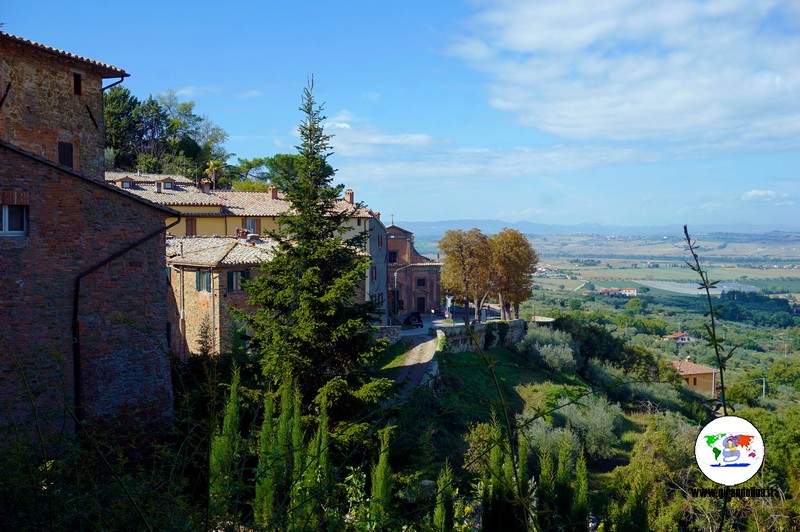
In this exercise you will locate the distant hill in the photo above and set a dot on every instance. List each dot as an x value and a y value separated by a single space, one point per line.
432 231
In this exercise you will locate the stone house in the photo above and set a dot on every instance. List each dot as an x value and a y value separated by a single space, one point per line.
414 279
205 275
82 308
207 212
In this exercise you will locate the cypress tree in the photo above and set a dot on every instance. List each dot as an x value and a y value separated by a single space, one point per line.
225 448
547 479
580 502
564 475
264 504
382 480
443 512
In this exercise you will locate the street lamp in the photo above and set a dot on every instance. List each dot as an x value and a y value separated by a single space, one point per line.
395 284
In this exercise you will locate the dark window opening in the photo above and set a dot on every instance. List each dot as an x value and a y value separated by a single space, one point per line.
77 83
421 282
65 154
13 220
392 257
235 279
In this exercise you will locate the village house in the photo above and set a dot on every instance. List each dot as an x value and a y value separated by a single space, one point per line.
82 307
414 279
699 378
216 212
680 338
206 276
630 292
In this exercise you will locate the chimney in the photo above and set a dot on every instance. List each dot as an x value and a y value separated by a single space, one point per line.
378 215
205 186
273 192
158 188
348 196
688 358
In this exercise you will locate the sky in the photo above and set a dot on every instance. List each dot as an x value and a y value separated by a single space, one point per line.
563 112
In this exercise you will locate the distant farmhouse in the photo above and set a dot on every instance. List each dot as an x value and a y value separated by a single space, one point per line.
82 308
680 338
698 378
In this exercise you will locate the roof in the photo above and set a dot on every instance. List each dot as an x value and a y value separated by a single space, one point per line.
392 227
233 202
113 177
674 335
218 251
73 173
106 70
686 367
180 195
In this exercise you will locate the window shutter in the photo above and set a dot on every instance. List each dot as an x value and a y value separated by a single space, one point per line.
258 226
208 281
230 281
246 275
197 279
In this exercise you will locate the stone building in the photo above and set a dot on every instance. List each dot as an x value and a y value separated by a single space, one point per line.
205 275
209 212
414 279
82 307
51 103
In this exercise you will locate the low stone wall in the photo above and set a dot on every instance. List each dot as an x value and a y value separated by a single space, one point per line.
460 338
392 332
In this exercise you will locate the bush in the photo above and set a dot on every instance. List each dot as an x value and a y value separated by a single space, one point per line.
595 420
545 347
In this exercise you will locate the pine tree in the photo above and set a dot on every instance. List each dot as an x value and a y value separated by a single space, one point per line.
308 319
225 449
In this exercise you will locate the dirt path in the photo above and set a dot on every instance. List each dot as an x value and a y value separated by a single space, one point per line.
415 365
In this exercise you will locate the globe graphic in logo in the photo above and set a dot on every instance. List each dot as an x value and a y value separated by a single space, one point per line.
729 450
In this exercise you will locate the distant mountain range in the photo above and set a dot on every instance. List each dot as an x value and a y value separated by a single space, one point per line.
426 231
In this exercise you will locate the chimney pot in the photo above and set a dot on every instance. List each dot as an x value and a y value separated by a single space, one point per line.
205 185
378 215
349 196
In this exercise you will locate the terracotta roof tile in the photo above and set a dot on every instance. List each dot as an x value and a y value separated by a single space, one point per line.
218 251
686 367
180 195
111 70
113 177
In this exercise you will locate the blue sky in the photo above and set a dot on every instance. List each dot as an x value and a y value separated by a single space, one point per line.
623 113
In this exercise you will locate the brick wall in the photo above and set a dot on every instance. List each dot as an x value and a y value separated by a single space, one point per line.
41 108
73 224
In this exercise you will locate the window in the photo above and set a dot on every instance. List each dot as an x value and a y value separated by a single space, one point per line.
251 225
169 274
191 226
235 279
421 282
694 379
358 221
203 280
373 273
14 220
392 257
167 185
126 184
77 83
380 241
65 154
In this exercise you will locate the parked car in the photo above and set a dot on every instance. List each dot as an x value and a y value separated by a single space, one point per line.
414 319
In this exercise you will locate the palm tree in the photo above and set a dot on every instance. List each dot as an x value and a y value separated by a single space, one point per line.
212 169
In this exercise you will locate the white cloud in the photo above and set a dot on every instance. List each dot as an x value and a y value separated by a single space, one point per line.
195 91
250 94
759 195
722 72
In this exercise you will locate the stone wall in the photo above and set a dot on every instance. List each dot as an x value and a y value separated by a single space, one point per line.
460 338
73 224
392 332
41 107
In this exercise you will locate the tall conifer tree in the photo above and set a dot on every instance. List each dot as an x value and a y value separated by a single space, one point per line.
308 318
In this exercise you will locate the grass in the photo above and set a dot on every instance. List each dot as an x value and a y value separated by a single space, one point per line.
394 355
